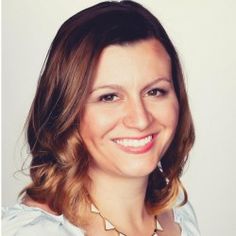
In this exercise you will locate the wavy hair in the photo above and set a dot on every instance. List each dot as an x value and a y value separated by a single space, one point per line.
60 162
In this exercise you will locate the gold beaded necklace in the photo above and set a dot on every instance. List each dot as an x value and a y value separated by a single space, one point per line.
109 226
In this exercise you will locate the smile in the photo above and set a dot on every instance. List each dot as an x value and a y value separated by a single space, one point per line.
134 142
135 145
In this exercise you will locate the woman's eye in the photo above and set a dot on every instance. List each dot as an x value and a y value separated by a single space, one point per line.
108 97
156 92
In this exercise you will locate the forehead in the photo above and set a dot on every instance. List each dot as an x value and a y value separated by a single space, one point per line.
145 58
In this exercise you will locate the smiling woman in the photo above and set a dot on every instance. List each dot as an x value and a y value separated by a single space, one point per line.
136 109
109 131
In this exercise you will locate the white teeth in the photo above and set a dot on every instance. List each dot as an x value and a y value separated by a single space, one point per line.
134 142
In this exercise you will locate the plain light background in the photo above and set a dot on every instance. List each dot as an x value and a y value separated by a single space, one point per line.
204 35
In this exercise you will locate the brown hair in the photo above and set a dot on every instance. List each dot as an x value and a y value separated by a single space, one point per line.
59 158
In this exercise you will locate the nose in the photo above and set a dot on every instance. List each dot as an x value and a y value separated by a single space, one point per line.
137 115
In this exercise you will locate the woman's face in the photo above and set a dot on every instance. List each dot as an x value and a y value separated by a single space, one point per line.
132 111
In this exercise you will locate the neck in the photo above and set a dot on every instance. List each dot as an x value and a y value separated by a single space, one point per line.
118 196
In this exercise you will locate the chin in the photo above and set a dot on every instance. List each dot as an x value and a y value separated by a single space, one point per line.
140 170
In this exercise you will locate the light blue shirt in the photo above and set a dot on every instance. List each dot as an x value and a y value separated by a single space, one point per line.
22 220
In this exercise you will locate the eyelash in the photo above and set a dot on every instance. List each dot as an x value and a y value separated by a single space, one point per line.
110 96
104 97
157 90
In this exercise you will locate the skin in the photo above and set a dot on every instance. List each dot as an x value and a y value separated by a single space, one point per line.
125 102
132 97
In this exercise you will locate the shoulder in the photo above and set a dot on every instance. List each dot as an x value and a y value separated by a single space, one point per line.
21 220
185 216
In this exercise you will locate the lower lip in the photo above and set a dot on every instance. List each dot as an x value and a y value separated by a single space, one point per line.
138 150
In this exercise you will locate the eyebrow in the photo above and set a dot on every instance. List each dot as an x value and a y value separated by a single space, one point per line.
115 86
157 81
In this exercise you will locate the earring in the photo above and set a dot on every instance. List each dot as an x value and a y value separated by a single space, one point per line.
160 166
161 170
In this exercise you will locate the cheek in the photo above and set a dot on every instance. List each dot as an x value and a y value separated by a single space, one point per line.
173 115
97 122
168 114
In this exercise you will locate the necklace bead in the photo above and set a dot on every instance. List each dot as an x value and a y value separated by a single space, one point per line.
109 226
